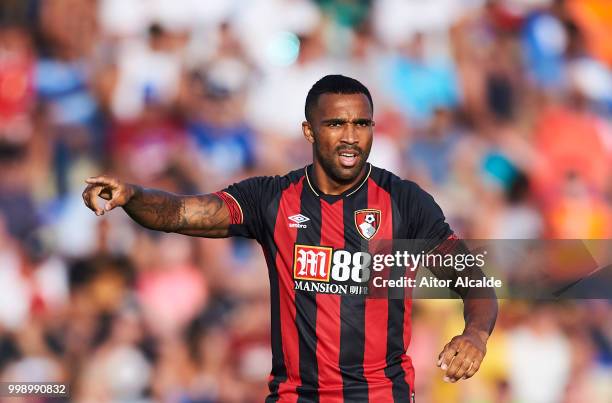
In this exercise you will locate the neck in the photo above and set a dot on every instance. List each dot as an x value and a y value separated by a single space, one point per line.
328 185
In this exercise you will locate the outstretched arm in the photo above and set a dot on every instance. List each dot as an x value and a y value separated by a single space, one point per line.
199 215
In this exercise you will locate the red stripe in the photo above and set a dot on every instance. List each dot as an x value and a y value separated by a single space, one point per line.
328 311
284 238
380 388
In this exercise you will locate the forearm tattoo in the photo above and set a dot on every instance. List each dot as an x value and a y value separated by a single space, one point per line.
164 211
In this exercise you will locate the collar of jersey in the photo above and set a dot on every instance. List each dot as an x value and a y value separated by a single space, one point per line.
349 192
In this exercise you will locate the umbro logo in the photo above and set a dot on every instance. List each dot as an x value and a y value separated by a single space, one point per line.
298 219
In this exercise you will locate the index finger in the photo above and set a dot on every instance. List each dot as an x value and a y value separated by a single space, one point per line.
99 180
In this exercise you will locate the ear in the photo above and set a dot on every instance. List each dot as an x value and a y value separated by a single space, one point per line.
308 132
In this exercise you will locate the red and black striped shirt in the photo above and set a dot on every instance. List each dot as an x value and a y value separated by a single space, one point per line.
329 342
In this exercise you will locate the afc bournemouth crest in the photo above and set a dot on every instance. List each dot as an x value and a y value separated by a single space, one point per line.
367 222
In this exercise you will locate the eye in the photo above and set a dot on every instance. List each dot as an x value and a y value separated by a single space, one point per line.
334 124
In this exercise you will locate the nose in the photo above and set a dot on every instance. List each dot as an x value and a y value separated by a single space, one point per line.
350 134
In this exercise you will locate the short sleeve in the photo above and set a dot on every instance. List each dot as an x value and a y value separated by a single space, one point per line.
426 220
246 202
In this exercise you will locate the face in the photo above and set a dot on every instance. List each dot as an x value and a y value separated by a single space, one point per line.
341 132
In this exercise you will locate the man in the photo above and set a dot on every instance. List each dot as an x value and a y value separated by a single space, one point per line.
327 345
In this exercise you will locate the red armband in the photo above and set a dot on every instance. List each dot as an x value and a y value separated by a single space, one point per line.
235 211
448 246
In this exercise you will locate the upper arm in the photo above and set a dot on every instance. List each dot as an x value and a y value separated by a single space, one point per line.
238 210
428 229
423 217
435 236
248 201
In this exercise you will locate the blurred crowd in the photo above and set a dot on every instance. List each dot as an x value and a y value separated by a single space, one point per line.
500 109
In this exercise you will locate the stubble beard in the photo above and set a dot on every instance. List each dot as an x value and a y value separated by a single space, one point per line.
334 171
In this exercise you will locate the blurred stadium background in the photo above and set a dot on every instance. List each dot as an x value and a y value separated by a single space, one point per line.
500 109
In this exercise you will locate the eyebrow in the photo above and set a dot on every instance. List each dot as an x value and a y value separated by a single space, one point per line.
342 121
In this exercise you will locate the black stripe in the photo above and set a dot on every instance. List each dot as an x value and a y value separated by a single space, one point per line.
279 370
352 312
306 304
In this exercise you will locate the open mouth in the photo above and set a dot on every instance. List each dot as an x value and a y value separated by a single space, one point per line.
348 159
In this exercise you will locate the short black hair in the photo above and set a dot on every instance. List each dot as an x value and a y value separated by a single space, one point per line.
334 84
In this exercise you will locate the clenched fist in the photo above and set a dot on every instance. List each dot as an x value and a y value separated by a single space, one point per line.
462 356
116 192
